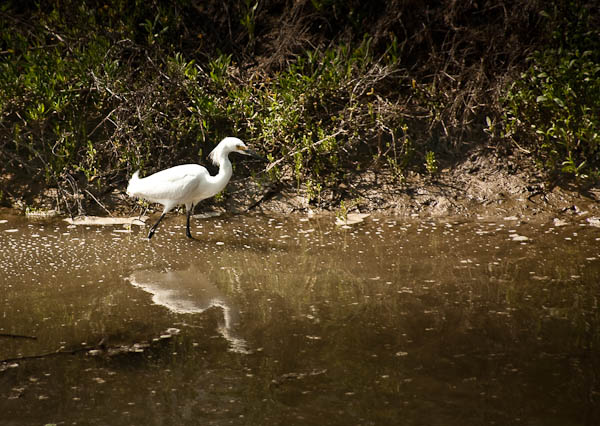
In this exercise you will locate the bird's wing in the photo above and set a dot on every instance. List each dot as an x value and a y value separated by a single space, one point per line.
178 183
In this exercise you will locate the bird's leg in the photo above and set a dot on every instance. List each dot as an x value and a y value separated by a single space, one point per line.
153 229
187 225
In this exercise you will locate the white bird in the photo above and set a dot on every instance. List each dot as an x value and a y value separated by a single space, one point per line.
188 183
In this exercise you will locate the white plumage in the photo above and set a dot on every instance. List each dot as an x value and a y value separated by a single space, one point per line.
187 184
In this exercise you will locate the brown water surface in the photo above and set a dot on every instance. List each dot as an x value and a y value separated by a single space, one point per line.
282 320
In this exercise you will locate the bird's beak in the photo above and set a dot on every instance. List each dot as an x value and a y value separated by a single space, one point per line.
251 153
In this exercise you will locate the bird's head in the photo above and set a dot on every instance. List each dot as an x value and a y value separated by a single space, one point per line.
227 145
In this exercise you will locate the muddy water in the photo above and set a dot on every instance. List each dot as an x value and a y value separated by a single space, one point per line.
273 320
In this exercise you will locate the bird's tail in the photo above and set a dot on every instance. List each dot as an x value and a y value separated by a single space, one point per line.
131 187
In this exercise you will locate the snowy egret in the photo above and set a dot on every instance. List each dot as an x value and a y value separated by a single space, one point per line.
189 183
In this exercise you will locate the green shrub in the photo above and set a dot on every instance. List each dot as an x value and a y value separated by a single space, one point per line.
555 104
311 119
92 91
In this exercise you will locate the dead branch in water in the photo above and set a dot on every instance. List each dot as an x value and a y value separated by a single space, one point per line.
17 336
100 348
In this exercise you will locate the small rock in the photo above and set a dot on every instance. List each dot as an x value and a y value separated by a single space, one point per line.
559 222
40 213
594 221
351 219
572 209
101 221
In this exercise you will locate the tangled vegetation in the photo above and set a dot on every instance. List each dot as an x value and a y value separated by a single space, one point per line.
91 91
555 105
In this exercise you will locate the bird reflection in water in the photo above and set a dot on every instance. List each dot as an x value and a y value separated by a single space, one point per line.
190 292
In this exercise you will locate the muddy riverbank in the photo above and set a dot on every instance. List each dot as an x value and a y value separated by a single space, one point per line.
482 184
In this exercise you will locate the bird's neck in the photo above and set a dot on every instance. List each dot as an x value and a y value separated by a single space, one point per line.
220 180
225 168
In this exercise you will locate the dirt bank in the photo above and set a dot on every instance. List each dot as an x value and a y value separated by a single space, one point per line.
483 184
